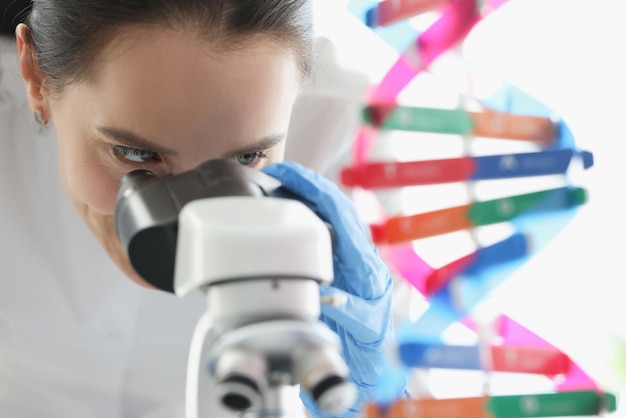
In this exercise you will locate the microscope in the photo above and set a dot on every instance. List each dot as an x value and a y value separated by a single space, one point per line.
259 256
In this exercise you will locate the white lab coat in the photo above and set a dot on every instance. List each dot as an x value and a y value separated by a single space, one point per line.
77 338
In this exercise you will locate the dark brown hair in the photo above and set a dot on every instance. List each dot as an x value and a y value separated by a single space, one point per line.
67 35
12 12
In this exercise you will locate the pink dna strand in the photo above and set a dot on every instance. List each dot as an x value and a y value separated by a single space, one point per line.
453 290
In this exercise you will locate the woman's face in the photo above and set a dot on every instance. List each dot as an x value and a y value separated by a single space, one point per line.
164 101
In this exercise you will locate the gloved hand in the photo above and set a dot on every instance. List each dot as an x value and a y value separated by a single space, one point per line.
364 322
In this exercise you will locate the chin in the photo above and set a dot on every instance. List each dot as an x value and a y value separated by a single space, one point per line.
141 282
124 264
116 253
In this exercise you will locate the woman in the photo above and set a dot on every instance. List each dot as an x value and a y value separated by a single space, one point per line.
163 86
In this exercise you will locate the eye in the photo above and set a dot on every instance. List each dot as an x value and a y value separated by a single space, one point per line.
250 158
133 154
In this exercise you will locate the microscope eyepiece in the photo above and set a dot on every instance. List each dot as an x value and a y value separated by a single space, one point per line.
146 215
132 181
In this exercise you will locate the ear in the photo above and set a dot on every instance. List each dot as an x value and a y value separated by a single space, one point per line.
31 73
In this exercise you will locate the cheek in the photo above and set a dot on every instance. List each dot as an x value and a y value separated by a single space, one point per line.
88 182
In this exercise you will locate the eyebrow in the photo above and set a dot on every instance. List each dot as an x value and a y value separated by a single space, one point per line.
262 144
132 140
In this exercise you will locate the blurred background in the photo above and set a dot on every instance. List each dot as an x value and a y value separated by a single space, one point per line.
569 55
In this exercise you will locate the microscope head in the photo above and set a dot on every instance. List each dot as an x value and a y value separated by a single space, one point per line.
149 210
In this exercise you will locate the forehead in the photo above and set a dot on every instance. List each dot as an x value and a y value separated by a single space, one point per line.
168 83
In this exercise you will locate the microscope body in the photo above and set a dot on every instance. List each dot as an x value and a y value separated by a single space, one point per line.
260 261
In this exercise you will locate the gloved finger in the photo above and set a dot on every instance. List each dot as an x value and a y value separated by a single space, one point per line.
356 259
365 319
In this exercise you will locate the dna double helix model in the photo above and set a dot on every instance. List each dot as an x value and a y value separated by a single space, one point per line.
509 165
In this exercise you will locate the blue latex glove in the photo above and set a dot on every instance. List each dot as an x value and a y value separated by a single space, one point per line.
364 323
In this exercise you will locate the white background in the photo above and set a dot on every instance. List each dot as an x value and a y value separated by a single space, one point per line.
570 55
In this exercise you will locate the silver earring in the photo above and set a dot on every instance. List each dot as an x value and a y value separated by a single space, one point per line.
39 118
